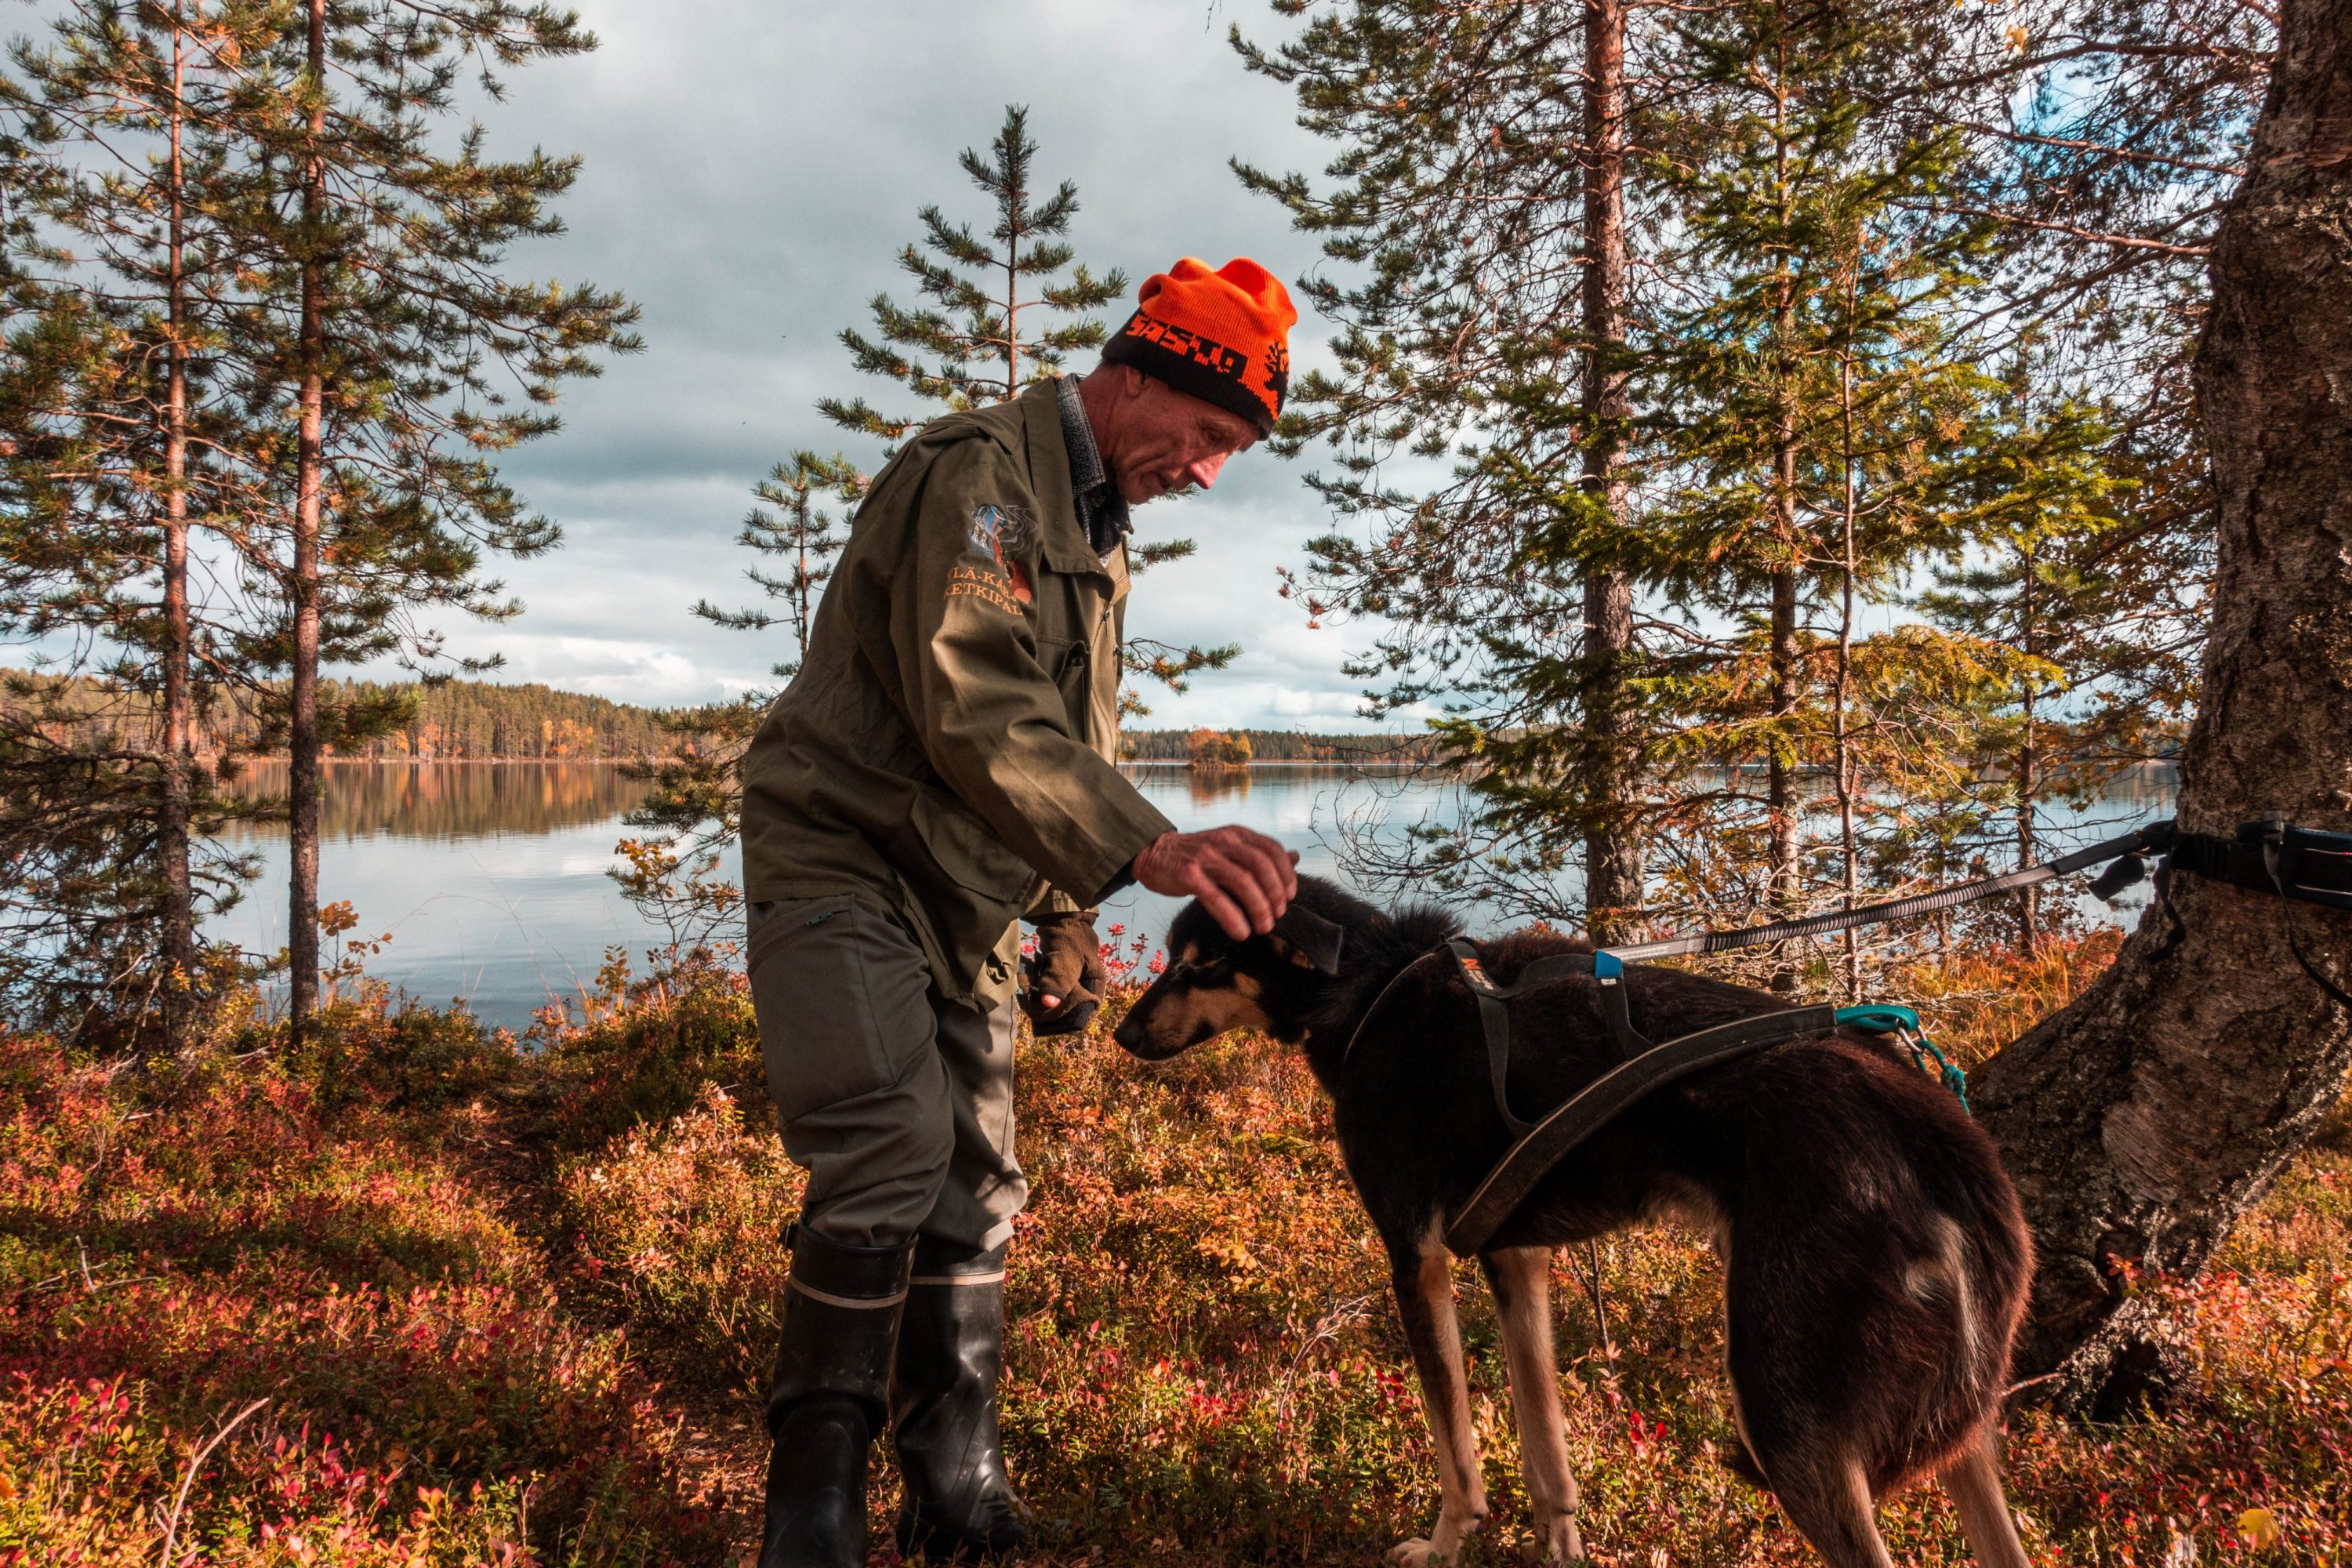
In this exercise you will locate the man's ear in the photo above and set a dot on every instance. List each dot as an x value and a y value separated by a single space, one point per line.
1308 939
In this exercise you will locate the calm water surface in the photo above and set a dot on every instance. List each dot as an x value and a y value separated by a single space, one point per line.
490 877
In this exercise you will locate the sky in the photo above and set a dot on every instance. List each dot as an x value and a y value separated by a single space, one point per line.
751 171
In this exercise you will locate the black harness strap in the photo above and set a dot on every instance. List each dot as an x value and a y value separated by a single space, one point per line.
1494 1018
2305 865
1552 1138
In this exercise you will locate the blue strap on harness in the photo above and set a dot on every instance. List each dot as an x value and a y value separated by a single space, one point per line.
1904 1023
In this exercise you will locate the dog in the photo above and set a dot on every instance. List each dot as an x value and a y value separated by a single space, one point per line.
1876 1260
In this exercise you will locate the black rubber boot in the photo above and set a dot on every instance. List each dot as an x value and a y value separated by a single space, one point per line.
828 1397
960 1503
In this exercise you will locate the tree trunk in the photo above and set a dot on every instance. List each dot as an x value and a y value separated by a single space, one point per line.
2140 1121
1840 736
1781 804
2028 782
1612 843
302 739
179 900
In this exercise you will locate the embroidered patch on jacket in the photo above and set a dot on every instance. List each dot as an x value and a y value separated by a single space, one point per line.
979 582
997 532
995 535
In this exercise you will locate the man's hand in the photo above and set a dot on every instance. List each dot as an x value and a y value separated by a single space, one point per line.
1243 878
1066 979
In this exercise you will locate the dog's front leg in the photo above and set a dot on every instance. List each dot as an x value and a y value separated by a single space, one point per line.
1520 1278
1425 1290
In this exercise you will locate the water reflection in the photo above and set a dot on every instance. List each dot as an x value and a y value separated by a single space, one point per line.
454 800
491 877
1202 785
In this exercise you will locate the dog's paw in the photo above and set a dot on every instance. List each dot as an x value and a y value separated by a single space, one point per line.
1558 1547
1416 1555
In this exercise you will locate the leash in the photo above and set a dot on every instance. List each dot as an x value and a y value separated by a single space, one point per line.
2298 864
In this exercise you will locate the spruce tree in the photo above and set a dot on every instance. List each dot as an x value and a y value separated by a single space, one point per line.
1492 197
1824 426
2048 583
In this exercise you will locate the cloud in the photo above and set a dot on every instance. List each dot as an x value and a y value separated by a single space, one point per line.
749 173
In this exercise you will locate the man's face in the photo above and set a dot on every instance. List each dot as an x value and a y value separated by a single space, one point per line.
1166 441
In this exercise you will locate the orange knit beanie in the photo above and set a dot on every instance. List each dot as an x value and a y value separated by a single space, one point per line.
1222 336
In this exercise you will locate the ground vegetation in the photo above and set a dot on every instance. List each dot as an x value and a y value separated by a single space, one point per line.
478 1298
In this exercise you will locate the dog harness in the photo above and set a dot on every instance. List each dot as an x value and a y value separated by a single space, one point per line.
2303 865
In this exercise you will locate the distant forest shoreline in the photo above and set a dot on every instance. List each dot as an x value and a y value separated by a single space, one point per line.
485 721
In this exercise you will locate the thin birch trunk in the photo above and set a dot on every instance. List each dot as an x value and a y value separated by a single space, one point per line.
2029 784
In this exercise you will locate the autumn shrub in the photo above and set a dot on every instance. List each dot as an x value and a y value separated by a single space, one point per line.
683 1224
646 1049
297 1239
1203 1363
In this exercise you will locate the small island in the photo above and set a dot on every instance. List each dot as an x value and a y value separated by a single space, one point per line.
1216 751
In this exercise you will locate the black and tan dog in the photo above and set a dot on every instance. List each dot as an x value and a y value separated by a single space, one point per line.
1876 1259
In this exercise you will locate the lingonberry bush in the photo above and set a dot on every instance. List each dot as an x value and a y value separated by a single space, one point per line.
481 1282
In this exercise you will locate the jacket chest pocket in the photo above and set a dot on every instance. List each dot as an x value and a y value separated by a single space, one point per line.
1071 664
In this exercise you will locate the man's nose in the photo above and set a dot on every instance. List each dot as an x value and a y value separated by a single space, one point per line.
1203 471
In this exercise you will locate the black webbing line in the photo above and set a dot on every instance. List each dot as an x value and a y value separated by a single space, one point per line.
2154 837
1494 1018
1495 1022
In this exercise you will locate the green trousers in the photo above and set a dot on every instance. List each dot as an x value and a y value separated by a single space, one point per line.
897 1101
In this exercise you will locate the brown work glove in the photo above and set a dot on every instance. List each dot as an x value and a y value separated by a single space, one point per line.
1067 967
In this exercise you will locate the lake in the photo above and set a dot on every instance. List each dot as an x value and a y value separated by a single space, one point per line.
490 877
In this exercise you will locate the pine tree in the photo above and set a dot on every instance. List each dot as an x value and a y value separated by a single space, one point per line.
694 810
126 109
972 333
2209 1033
388 346
969 348
797 534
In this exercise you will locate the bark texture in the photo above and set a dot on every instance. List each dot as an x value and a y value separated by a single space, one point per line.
1612 846
2142 1120
303 780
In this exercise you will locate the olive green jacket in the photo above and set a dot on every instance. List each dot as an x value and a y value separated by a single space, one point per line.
946 748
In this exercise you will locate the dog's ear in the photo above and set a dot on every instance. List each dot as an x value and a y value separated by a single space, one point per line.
1308 939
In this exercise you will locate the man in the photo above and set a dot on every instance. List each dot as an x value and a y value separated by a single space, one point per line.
940 767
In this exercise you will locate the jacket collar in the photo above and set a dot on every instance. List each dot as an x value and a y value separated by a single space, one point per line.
1064 543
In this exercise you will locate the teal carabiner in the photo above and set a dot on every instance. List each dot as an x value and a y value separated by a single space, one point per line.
1904 1023
1880 1019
